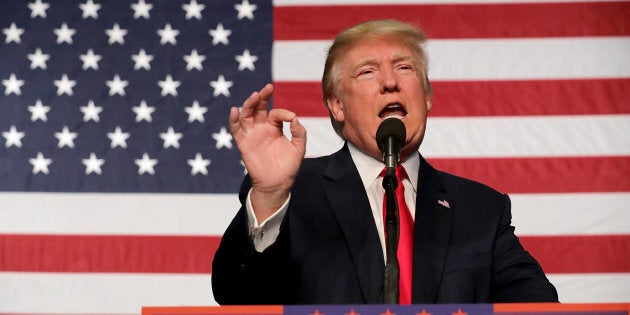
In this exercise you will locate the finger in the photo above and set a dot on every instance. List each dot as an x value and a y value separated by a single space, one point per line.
278 116
298 134
266 92
233 121
249 108
260 114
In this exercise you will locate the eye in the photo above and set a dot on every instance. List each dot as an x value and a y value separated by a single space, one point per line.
405 67
366 73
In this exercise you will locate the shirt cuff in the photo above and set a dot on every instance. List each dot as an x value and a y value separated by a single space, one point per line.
265 233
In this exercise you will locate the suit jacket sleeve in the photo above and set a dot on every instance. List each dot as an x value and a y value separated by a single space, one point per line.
241 275
517 276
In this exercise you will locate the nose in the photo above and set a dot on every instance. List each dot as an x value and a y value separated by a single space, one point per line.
389 81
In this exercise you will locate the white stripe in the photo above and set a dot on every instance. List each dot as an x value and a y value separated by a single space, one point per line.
87 293
100 293
482 59
533 136
528 136
571 214
390 2
63 213
298 60
111 213
592 288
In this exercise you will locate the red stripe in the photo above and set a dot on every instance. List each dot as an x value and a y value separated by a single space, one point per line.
120 253
461 20
185 254
489 98
544 175
580 254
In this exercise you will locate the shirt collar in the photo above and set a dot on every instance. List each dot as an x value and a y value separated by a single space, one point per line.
369 168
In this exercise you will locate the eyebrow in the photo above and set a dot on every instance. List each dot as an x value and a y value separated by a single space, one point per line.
397 58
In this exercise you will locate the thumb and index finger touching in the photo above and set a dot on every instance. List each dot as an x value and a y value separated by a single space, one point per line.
272 160
254 110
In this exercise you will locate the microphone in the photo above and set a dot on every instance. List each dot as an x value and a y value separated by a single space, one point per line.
390 137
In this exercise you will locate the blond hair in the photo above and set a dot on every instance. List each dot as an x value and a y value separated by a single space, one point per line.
409 34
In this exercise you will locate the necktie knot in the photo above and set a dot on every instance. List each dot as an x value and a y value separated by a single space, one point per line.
400 173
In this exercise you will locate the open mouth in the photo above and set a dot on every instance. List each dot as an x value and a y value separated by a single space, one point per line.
392 110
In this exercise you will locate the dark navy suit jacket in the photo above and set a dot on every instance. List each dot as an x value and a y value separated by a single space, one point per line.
328 250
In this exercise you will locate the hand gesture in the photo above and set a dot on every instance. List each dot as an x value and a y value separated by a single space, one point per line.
271 159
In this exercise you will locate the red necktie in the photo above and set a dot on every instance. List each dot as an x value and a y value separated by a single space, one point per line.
405 239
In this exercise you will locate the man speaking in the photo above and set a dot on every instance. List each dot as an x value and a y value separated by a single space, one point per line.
374 219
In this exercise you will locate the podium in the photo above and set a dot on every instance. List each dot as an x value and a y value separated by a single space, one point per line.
429 309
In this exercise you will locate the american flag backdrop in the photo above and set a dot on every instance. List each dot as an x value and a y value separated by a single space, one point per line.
118 175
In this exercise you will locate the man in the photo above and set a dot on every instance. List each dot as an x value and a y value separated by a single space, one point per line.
310 231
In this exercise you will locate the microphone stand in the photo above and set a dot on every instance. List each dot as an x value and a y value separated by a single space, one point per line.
392 270
390 137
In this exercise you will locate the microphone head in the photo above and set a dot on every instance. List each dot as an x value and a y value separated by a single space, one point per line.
391 127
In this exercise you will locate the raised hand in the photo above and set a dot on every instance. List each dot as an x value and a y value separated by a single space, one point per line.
271 159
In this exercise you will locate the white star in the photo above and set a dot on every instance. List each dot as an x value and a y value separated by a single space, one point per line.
193 9
91 111
65 85
13 34
221 86
143 112
141 9
223 138
40 163
90 60
118 138
171 138
38 8
39 111
116 34
146 164
245 9
169 86
65 138
12 85
117 86
64 34
194 60
220 35
246 61
168 34
195 112
142 60
198 165
93 164
90 9
13 137
38 59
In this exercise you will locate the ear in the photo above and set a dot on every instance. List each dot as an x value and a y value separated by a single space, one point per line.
429 105
336 108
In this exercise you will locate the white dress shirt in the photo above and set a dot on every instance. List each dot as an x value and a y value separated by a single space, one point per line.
265 233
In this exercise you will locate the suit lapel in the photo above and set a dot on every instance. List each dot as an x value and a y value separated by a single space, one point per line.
432 232
350 204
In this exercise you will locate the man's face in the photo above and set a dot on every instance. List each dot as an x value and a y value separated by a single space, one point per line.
379 78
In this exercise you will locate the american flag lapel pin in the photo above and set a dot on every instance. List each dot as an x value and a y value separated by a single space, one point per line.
444 203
